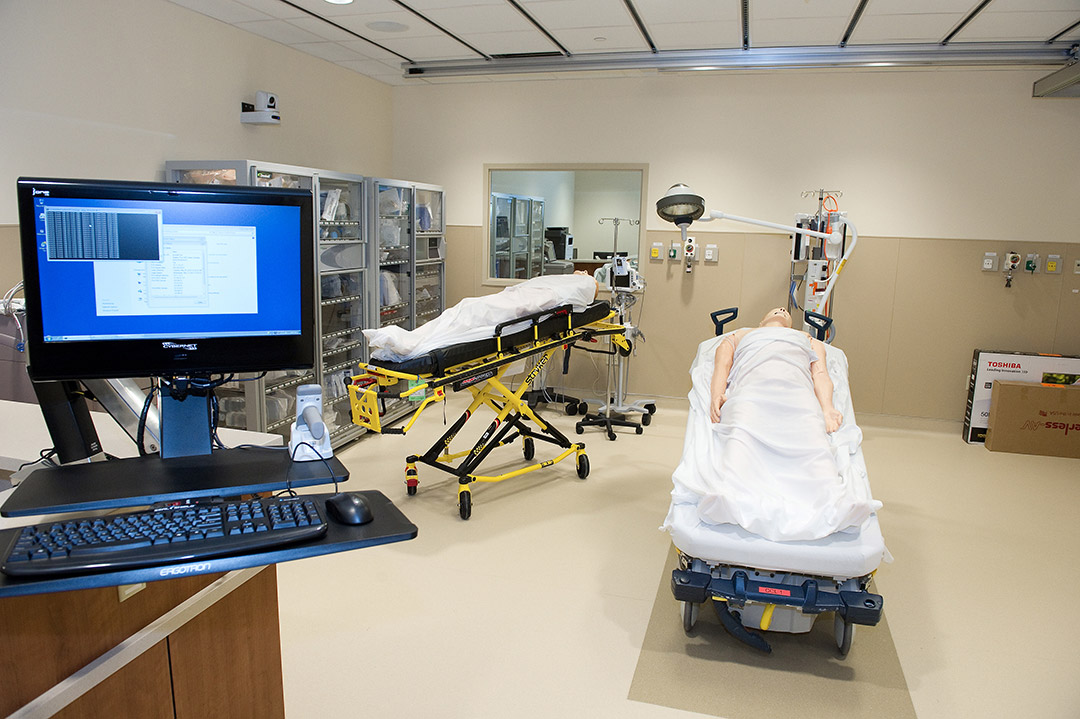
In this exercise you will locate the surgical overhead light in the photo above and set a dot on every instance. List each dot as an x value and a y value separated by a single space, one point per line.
681 205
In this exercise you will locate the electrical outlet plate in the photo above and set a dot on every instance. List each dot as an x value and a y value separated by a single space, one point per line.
1053 264
990 262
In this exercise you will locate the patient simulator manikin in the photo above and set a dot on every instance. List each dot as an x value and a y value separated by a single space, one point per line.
766 449
822 385
475 318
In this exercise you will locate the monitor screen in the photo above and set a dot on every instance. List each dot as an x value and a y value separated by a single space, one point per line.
133 279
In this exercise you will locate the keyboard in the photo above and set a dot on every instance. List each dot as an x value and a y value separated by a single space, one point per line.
166 535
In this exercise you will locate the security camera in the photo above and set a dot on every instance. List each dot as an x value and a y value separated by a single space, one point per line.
265 101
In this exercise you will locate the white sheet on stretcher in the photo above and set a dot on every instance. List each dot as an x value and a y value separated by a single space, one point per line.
475 318
770 511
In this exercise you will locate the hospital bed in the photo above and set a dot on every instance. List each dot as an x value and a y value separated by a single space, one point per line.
479 367
760 584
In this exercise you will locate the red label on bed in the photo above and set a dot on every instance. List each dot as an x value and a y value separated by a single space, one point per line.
772 590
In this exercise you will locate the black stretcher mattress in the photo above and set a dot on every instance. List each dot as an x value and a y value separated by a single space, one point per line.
439 360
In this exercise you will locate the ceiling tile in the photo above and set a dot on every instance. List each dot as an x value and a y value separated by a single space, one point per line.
801 9
274 8
416 27
1015 26
577 14
510 43
696 35
429 48
797 32
886 29
617 39
279 30
331 51
655 12
224 10
322 29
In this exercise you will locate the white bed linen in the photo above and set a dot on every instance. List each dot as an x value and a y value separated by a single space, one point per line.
767 496
475 318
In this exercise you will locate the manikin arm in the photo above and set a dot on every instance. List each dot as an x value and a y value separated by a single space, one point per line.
823 388
722 360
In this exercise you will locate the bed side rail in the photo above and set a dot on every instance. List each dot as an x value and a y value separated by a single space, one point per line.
857 607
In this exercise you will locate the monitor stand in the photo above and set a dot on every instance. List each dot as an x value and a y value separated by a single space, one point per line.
185 426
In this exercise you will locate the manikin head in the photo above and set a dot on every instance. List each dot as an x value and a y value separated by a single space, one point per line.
777 317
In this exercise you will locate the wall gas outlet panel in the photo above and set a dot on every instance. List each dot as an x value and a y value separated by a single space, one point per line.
657 251
1053 264
675 251
1031 263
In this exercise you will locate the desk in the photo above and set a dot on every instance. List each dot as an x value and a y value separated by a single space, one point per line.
213 649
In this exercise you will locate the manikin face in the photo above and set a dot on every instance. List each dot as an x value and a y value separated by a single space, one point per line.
777 317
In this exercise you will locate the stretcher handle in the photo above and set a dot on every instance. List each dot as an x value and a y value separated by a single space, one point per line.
820 323
722 317
535 317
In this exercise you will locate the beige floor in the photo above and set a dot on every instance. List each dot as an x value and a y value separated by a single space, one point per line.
537 606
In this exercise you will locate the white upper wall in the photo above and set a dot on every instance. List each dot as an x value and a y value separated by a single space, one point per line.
939 153
114 89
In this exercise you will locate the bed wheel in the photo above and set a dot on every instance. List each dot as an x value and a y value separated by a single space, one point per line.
582 466
638 429
583 408
689 615
579 429
571 408
646 420
529 449
465 504
844 632
650 408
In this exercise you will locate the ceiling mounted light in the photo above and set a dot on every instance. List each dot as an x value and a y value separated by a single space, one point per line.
386 26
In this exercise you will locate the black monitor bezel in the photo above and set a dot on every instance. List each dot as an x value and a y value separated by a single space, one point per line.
149 357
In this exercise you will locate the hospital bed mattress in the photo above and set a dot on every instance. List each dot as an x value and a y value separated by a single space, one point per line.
437 361
850 553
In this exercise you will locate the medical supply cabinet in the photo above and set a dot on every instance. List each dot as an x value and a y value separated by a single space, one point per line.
517 236
408 253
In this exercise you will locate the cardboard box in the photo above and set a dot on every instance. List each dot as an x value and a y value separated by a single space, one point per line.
1034 419
990 365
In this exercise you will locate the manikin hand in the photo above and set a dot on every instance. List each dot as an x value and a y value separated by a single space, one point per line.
717 402
833 420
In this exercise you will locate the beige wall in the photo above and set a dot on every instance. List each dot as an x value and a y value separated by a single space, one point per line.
909 313
937 167
114 89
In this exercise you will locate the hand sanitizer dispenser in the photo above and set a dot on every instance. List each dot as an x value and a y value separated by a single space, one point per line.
309 441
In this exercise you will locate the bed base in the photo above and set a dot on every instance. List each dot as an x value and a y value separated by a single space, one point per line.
483 378
778 601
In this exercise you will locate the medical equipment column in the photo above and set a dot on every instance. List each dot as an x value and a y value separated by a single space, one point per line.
430 254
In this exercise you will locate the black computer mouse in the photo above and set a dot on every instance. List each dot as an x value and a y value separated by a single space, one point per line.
349 508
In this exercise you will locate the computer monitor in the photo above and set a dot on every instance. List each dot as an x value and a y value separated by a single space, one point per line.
133 279
184 282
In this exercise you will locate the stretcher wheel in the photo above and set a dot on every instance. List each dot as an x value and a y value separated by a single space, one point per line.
844 632
530 448
410 489
582 466
571 408
646 420
465 504
611 435
638 429
583 408
689 615
650 408
579 429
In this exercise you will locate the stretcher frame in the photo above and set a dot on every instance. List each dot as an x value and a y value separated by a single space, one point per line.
757 593
483 377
